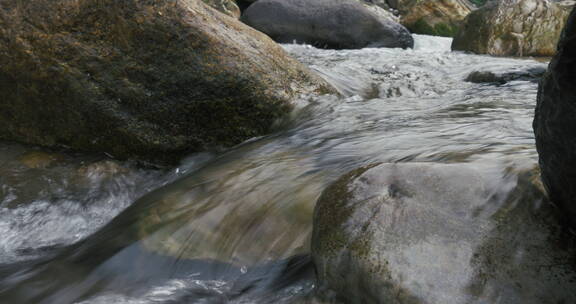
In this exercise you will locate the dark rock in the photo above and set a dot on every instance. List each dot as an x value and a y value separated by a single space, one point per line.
441 233
512 28
380 3
151 80
533 74
485 77
244 4
478 3
555 123
393 3
340 24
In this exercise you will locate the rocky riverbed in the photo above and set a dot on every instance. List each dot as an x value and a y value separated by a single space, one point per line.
236 226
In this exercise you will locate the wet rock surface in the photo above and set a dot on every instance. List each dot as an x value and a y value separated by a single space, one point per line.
380 11
339 24
145 80
438 18
515 28
532 74
440 233
255 202
228 7
555 123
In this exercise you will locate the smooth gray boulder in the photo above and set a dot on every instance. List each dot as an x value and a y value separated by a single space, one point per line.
339 24
441 233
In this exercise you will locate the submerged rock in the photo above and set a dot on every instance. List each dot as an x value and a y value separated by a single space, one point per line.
532 74
105 169
485 77
512 28
39 159
555 123
194 219
438 18
340 24
437 233
152 80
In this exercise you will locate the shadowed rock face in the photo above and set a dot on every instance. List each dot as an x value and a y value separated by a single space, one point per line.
512 28
439 233
340 24
555 123
151 80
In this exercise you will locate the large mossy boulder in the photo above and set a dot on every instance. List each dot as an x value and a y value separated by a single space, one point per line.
437 18
441 233
339 24
151 80
555 123
513 28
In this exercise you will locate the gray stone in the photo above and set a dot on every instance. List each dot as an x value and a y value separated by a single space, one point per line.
380 12
441 233
340 24
532 74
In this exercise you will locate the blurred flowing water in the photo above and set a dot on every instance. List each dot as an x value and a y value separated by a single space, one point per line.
235 227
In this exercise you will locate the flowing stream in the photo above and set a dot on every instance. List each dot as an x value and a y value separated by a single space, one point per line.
235 227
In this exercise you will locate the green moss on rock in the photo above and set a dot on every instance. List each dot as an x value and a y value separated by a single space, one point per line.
439 29
437 18
516 28
445 30
384 235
